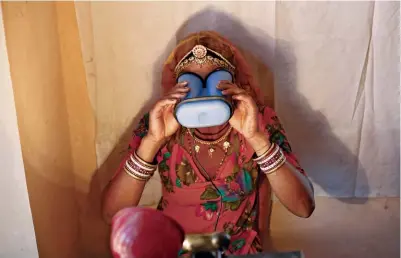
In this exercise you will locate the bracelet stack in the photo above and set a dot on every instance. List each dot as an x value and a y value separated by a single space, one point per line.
138 168
271 160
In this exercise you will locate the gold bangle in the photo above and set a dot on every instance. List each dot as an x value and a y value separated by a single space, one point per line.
271 154
274 170
135 176
144 163
276 163
272 145
135 161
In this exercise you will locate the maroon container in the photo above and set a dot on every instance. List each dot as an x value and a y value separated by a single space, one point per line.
142 232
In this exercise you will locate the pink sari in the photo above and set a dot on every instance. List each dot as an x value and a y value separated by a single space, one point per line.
233 207
233 201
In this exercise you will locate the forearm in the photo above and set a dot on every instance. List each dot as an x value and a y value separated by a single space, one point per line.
291 187
125 191
291 190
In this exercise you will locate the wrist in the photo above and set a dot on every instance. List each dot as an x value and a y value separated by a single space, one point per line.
148 148
259 142
153 142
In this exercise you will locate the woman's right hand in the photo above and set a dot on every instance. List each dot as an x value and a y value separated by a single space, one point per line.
162 123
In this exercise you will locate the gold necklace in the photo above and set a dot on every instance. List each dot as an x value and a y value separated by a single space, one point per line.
211 144
190 144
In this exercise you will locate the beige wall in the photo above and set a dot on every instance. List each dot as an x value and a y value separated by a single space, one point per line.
55 120
17 236
346 228
123 61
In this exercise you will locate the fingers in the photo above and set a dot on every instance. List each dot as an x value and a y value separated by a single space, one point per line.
238 94
180 85
223 85
233 91
247 100
243 97
177 95
164 102
228 88
179 91
182 90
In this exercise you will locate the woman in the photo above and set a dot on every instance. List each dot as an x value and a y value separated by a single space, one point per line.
215 178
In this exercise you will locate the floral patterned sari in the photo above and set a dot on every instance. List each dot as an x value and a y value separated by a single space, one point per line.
230 202
233 201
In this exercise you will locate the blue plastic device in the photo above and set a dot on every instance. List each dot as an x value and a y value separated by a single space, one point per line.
204 105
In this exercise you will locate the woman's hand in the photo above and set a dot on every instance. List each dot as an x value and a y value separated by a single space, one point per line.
245 117
162 123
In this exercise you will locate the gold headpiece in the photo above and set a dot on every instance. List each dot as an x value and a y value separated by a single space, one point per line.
200 55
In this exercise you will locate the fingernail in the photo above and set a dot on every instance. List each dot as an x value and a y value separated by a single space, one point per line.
184 83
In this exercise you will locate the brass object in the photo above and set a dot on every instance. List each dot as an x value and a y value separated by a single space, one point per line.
206 242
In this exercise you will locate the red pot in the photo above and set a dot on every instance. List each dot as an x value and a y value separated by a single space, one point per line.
145 233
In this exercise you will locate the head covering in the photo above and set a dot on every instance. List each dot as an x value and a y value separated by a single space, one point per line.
217 43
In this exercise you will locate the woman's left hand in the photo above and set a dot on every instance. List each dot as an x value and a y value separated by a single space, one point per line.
245 117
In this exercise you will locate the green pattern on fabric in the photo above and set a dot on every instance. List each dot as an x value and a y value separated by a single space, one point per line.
233 206
182 252
277 135
143 126
164 170
178 183
237 244
210 206
247 182
210 193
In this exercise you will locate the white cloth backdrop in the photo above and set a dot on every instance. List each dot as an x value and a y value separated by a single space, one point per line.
17 235
335 69
338 93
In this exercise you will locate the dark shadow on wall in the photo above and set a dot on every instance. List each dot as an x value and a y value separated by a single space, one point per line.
95 227
328 162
